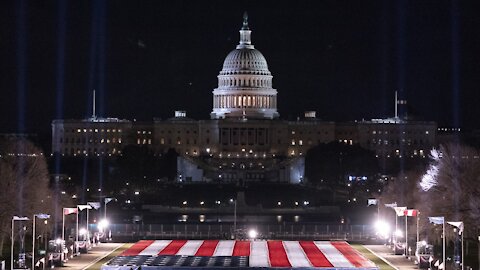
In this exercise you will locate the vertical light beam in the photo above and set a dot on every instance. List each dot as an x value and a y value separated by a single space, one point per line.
21 57
60 83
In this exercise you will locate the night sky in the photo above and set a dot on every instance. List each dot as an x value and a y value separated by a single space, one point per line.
146 59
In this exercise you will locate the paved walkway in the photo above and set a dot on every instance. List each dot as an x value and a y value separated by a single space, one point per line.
397 261
84 261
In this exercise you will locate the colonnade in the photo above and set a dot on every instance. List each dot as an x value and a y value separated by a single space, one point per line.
245 101
245 82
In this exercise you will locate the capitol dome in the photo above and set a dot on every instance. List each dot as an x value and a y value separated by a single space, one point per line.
245 61
245 83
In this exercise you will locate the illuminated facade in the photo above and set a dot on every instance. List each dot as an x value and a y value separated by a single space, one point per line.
90 137
245 83
244 140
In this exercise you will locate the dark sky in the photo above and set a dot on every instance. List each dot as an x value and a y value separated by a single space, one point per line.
146 59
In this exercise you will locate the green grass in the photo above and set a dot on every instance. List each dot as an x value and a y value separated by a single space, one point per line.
98 265
372 257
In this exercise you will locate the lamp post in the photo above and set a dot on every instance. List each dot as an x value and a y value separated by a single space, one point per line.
106 200
15 218
234 217
41 216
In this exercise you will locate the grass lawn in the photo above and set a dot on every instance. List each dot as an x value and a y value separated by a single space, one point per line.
105 259
376 260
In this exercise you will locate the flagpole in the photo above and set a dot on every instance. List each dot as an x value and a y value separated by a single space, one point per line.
462 246
418 219
63 224
33 243
406 235
444 243
76 235
11 246
396 227
378 209
88 232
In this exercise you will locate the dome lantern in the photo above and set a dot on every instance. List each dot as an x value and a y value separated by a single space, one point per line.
245 39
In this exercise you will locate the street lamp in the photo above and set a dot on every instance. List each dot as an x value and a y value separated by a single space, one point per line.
383 229
107 200
15 218
252 234
234 216
40 216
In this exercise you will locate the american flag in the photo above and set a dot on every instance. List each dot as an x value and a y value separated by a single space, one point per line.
241 254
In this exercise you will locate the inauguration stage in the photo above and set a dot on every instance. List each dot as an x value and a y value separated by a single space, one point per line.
230 254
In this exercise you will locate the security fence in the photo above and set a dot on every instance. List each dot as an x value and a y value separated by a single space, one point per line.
134 232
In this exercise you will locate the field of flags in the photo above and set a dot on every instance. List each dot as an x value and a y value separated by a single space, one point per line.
232 254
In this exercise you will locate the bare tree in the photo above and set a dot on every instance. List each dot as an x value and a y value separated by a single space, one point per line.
23 183
403 189
451 185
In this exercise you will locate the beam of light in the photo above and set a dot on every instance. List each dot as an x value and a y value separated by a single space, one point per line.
101 6
21 58
455 63
92 57
101 56
401 11
401 40
84 180
456 88
60 82
60 65
384 43
100 176
96 78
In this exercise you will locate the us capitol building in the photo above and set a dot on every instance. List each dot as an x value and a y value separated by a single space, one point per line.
245 139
